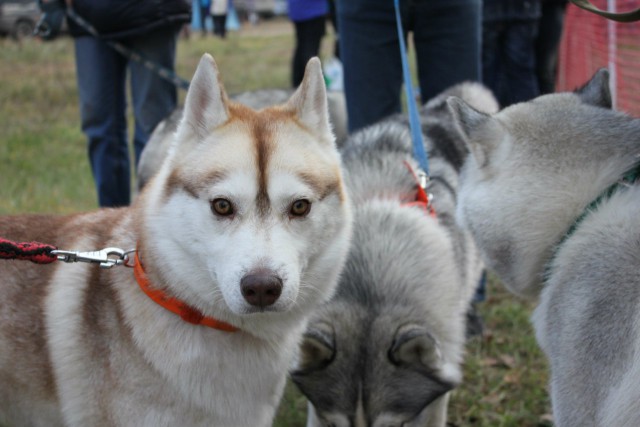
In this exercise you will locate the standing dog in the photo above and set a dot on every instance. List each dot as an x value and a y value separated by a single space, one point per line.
387 348
247 224
539 193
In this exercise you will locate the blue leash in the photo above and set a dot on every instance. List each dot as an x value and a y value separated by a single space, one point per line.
414 121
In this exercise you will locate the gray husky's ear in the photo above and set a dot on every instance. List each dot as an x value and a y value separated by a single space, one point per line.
205 107
596 91
318 348
414 346
309 101
472 126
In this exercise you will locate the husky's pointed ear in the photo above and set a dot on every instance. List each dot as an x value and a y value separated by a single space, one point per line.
206 103
414 347
317 349
309 101
596 91
472 126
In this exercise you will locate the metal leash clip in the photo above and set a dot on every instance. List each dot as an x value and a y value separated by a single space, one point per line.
423 181
107 257
422 177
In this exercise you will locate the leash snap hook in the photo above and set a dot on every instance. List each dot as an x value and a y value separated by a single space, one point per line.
423 181
423 178
107 257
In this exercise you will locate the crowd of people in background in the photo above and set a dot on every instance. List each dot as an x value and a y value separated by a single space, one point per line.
149 28
520 47
509 45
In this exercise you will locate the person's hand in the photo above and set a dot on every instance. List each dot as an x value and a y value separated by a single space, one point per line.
50 23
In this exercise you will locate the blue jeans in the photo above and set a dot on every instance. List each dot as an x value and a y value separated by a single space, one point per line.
102 75
508 60
446 35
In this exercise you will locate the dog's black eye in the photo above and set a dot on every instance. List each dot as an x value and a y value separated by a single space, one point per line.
222 207
300 207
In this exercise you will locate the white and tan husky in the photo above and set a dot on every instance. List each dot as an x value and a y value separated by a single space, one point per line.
247 223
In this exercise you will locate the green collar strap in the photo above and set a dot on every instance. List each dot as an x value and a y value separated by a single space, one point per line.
628 178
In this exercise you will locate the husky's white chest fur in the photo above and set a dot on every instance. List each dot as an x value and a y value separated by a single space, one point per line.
247 224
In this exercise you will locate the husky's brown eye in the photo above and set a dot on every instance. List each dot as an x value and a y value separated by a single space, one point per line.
300 207
222 207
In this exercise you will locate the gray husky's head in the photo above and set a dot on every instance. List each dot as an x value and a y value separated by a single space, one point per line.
533 168
387 377
390 342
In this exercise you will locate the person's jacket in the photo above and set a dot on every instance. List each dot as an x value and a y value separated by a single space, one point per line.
303 10
118 19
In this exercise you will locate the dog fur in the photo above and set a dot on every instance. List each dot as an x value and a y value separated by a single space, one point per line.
533 170
155 151
83 346
387 348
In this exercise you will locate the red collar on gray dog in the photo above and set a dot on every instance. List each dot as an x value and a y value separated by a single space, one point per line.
423 199
174 305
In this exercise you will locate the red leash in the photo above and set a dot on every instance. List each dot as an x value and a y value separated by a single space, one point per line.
37 252
40 253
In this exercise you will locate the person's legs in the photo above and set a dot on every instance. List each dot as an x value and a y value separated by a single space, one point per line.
447 38
297 70
220 25
223 26
154 98
370 54
519 61
492 73
204 13
309 34
547 42
334 23
101 74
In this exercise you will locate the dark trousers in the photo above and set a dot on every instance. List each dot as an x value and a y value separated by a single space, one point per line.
102 75
446 36
309 34
547 43
508 60
220 25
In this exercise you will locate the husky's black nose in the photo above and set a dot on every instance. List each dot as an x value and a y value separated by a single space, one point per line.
261 289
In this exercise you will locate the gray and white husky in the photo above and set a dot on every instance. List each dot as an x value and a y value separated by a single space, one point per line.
387 348
540 193
241 235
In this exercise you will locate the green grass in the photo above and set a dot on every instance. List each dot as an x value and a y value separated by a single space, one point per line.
44 168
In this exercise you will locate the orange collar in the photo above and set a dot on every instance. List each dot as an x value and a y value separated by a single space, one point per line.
174 305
